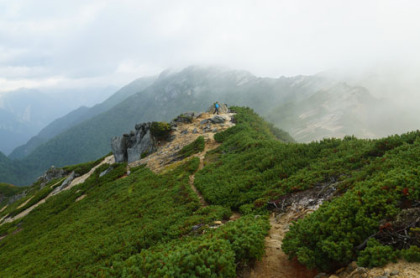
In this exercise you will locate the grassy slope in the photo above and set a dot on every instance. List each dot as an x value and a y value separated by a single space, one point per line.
375 179
119 222
142 224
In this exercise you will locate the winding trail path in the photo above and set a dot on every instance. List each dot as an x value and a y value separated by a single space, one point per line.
200 196
275 263
210 144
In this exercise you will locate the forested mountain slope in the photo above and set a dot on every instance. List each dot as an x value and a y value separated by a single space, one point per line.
79 115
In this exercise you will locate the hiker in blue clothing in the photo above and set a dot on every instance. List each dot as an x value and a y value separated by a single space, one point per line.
216 108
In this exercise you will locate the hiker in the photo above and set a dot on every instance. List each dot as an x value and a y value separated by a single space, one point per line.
216 108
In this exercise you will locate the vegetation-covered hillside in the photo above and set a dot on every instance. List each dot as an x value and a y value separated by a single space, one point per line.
152 225
86 136
79 115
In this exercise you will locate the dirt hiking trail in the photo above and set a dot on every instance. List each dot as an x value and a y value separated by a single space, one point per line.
275 263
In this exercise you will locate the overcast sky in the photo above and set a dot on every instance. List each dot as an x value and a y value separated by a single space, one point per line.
81 43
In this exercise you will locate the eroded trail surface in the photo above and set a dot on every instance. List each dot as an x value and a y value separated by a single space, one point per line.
275 263
200 196
210 144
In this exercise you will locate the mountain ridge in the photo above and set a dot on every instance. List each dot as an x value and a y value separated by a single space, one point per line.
284 101
340 191
77 116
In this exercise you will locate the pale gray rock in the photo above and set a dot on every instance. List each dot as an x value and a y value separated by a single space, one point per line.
217 119
395 272
106 172
119 148
131 147
64 184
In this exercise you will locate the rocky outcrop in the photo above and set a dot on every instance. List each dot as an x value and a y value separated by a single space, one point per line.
223 109
187 117
135 145
217 119
64 184
51 174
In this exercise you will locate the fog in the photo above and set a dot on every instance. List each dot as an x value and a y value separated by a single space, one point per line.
59 46
88 43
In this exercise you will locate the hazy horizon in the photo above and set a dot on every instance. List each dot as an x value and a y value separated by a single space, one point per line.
74 44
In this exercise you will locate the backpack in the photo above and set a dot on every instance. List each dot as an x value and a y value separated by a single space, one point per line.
216 105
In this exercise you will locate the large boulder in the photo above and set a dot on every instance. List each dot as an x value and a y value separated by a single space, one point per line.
135 145
119 148
187 117
217 119
223 109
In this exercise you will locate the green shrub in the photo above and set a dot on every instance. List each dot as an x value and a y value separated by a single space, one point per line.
376 254
246 209
327 239
246 236
195 147
215 212
160 130
214 254
412 254
208 258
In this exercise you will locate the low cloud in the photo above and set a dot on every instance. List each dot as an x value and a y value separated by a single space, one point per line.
54 43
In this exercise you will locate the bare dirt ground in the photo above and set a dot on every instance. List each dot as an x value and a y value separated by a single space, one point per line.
81 198
401 269
405 270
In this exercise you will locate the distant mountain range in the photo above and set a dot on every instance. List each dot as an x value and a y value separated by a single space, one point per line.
79 115
309 107
24 112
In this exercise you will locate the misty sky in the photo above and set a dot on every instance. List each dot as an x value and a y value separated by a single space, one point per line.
81 43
